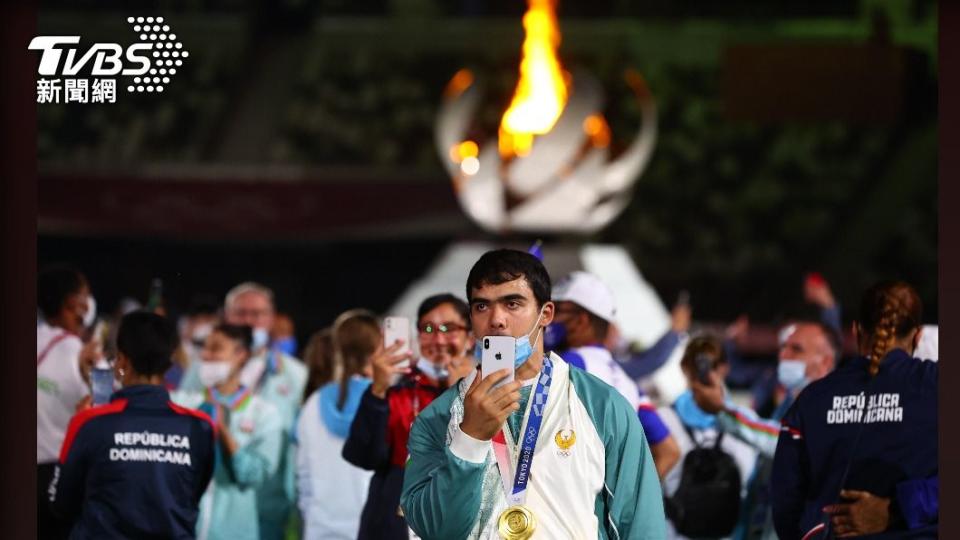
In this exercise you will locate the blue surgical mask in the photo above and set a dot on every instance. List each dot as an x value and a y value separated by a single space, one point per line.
792 374
287 345
522 349
555 336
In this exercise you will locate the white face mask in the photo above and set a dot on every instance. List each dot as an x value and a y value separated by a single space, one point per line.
261 338
434 371
214 373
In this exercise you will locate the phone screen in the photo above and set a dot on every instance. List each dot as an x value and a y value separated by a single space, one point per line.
394 329
101 384
703 364
498 353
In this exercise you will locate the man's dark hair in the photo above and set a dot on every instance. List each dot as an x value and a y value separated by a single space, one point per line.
433 302
503 265
703 345
148 340
237 332
55 283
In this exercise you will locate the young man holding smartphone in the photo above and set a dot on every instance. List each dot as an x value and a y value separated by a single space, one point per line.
379 432
581 467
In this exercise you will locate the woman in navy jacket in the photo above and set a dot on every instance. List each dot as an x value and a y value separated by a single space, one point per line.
868 429
136 467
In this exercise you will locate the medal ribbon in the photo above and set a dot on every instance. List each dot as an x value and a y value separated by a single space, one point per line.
517 493
236 402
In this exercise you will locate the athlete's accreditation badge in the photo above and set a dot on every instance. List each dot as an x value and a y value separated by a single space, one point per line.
565 439
516 523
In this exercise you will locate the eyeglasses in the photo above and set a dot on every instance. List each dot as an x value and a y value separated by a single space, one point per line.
443 328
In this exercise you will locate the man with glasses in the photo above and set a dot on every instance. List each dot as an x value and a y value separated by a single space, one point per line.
378 435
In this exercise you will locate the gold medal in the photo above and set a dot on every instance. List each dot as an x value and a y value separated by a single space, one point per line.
516 523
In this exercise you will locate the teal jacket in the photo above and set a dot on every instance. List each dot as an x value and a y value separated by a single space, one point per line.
442 493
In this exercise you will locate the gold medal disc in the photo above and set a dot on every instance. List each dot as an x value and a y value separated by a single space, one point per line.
516 523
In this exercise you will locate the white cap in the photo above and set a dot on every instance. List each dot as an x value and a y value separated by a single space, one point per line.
587 291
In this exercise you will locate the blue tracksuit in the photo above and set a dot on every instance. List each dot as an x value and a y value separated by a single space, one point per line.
134 468
895 457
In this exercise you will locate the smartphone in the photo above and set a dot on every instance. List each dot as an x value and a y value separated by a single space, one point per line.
703 364
497 353
683 298
101 384
397 328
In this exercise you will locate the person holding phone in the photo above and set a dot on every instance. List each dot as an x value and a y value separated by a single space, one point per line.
555 453
137 466
808 352
696 429
857 452
381 428
64 362
250 436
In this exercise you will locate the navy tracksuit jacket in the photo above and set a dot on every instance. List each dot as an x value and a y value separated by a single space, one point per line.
134 468
895 457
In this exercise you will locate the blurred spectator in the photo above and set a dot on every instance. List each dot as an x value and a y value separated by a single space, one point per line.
195 327
250 441
857 453
704 504
585 310
639 365
63 367
808 353
378 437
283 336
331 490
136 467
276 377
318 357
761 377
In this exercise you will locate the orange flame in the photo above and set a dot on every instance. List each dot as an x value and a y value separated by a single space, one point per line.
541 92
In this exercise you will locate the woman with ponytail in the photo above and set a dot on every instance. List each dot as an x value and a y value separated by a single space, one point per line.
857 452
332 491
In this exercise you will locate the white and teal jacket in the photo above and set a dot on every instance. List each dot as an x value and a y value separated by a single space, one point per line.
279 379
228 509
603 486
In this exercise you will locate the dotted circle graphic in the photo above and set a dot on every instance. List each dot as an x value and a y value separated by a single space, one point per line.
167 52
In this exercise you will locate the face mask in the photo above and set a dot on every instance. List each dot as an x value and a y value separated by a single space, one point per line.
261 338
522 349
91 315
792 374
214 373
555 337
287 345
432 370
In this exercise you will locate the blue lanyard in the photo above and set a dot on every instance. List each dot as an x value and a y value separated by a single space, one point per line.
528 441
